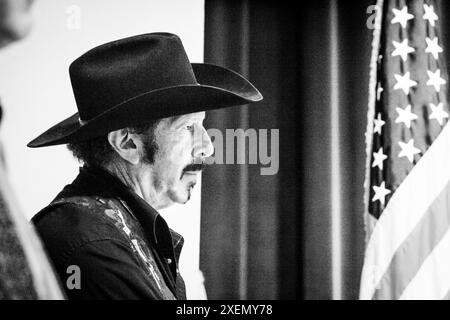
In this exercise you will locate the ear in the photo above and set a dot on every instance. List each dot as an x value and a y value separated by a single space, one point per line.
123 143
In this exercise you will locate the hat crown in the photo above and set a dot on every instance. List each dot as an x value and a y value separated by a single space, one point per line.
115 72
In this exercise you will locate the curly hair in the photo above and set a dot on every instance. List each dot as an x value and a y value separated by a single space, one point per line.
98 152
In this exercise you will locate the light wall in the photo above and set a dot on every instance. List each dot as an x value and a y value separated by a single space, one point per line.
36 94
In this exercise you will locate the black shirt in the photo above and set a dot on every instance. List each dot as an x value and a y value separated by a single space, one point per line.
121 246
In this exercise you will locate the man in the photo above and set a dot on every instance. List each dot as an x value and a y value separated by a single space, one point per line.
25 272
140 135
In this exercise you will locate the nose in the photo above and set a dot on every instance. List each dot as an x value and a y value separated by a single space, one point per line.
203 146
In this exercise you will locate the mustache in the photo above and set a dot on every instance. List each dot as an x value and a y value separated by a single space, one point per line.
194 167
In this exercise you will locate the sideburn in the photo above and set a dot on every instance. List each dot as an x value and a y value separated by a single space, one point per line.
150 147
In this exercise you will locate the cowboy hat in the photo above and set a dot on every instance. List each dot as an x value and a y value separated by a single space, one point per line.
146 77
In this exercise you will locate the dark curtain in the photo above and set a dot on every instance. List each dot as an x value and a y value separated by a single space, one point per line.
269 237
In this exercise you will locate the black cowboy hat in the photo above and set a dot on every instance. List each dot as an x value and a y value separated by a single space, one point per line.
146 77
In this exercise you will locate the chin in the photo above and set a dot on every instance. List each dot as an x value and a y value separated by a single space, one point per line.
186 197
182 196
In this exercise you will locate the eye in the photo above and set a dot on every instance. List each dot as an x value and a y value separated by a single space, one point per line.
190 127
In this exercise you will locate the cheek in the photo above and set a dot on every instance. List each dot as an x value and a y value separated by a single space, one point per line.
179 152
171 160
173 155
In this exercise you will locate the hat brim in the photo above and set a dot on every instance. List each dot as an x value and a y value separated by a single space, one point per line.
218 88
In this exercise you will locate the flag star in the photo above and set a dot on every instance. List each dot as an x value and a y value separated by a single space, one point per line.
405 116
402 49
438 113
379 157
380 193
433 47
404 82
435 79
378 124
430 15
379 91
408 150
401 16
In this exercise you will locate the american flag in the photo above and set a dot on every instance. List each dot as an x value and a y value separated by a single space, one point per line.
408 156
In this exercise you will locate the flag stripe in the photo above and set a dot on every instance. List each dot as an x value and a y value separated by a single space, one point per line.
405 209
433 278
419 244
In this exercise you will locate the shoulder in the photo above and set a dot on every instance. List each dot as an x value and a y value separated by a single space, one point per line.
67 225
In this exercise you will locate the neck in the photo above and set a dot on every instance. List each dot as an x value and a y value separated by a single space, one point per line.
139 179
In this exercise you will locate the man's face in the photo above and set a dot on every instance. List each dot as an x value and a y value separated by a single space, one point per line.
181 143
15 20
